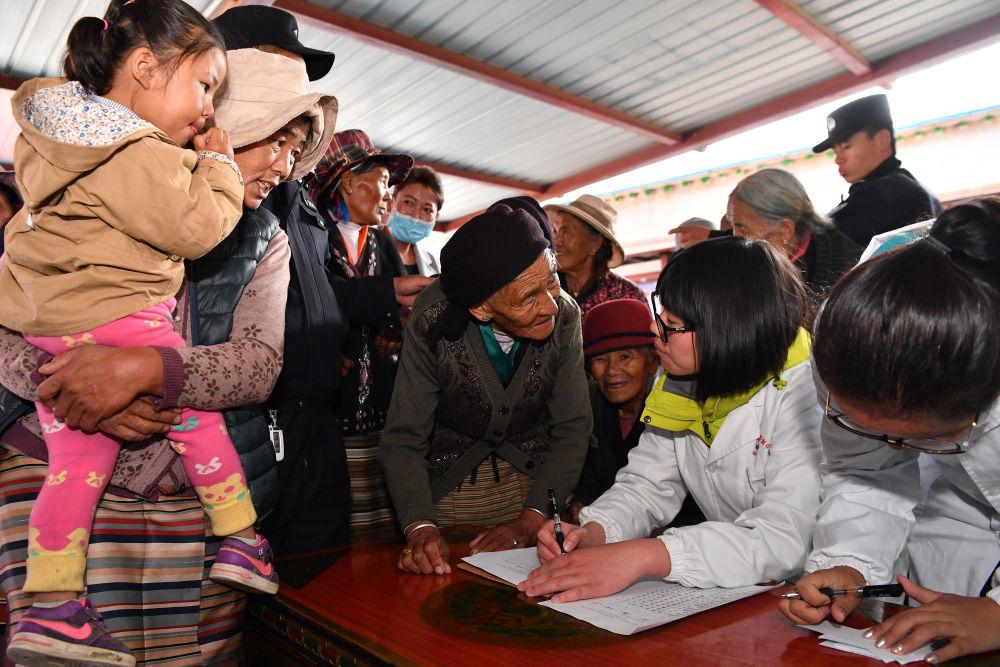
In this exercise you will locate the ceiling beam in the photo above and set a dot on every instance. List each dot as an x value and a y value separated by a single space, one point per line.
525 187
410 46
815 31
947 46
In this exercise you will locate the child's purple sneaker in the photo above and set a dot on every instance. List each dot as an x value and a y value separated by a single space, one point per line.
248 568
70 634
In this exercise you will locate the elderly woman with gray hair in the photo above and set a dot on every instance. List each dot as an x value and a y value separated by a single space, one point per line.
773 206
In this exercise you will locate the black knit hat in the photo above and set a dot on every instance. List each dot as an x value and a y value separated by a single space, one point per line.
488 252
492 249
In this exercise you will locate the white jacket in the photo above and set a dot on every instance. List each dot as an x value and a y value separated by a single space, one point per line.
758 486
427 263
870 519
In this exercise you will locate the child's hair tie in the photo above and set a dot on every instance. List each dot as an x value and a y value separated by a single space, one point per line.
105 25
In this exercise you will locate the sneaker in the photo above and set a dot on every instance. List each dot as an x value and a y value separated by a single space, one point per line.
70 634
248 568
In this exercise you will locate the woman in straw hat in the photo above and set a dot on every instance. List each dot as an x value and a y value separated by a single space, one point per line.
231 311
490 407
586 250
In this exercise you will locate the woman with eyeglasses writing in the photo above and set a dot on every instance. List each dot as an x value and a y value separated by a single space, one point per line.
907 347
734 423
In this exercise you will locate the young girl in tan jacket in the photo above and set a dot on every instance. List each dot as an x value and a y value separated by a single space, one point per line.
114 203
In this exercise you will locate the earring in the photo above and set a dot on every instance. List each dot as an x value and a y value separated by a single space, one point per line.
485 318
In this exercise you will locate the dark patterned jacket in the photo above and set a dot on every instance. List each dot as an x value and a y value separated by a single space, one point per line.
449 411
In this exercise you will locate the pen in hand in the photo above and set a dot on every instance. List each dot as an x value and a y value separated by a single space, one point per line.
555 517
884 591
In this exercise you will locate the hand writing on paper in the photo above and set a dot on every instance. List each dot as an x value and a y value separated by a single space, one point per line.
426 552
577 537
972 625
598 571
813 606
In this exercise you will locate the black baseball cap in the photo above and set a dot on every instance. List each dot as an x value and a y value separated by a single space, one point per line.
256 25
871 111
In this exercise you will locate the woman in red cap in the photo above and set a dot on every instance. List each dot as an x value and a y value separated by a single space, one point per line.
618 347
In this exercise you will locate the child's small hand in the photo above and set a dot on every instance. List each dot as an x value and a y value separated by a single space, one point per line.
215 140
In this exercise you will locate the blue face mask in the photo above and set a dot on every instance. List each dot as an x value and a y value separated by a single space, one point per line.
408 230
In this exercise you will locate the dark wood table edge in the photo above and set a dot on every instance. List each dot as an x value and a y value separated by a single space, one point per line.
322 632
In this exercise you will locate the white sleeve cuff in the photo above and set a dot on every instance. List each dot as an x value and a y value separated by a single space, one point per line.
865 569
225 159
679 557
612 533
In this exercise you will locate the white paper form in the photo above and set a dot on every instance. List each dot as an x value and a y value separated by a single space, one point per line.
513 565
641 606
648 604
851 640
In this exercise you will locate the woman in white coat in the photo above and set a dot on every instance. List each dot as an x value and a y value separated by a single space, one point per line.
908 357
734 422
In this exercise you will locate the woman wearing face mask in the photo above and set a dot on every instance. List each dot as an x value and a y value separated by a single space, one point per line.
906 352
415 210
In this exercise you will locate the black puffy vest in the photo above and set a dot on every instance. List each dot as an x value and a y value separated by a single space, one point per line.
215 284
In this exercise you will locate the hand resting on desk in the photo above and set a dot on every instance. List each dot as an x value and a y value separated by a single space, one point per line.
426 552
515 534
972 625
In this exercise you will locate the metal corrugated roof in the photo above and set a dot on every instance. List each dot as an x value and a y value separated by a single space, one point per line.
681 65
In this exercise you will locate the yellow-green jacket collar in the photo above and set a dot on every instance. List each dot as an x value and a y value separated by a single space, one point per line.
673 412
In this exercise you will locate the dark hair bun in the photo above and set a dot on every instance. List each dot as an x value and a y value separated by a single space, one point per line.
913 333
971 232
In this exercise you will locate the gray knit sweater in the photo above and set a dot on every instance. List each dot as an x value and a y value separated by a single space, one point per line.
449 411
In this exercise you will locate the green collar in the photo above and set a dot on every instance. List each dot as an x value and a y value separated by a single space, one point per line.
503 362
673 412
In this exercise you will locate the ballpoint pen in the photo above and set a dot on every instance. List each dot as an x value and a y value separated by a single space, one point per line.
555 517
883 591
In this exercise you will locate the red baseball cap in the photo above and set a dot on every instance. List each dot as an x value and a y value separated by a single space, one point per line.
617 325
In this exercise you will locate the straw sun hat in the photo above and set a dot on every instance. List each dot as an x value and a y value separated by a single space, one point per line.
600 216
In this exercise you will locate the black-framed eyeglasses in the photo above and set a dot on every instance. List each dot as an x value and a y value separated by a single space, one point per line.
666 329
926 445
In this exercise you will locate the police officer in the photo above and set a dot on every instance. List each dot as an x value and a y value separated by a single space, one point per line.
883 196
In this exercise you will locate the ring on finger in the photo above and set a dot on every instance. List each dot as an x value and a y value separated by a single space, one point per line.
514 540
407 551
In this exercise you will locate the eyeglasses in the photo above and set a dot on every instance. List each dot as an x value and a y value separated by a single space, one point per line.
666 329
925 445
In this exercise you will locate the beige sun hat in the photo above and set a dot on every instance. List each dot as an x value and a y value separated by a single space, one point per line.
265 91
601 216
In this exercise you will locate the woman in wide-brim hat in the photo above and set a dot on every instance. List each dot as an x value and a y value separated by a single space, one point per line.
352 188
586 249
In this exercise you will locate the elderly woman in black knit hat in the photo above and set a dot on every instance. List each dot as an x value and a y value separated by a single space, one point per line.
490 407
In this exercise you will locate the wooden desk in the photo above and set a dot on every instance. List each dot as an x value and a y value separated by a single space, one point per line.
362 611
